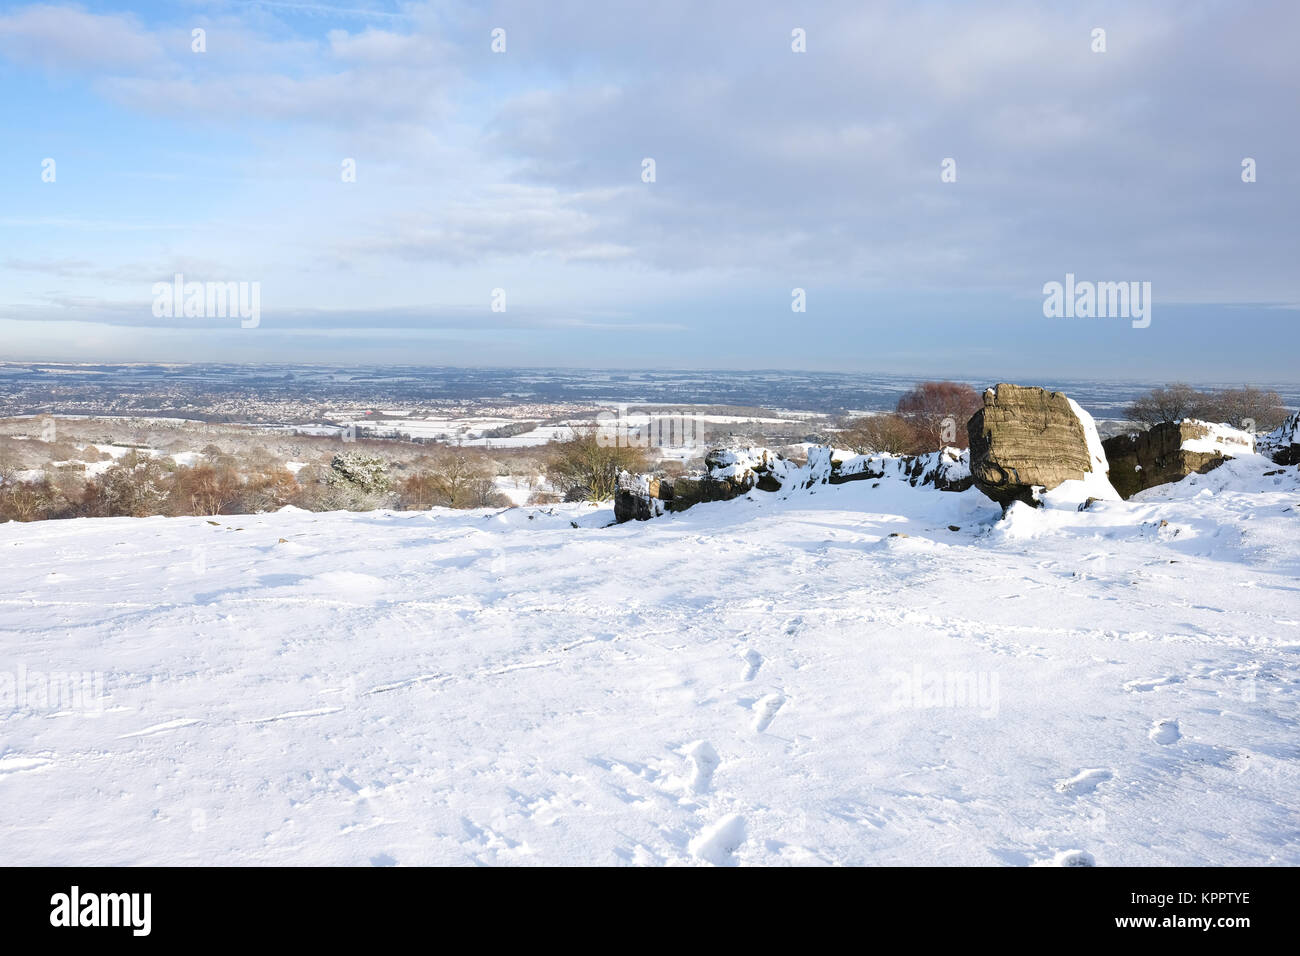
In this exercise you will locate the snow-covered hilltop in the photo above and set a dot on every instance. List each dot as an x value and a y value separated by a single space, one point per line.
865 672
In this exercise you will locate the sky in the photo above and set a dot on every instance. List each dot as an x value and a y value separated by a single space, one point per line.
516 177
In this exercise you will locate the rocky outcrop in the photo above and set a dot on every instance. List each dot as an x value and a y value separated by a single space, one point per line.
734 473
748 468
1028 440
641 497
636 497
946 470
1122 457
1170 451
1283 443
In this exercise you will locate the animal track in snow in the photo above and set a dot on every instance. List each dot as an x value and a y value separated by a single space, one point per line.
1165 732
1085 781
765 711
753 661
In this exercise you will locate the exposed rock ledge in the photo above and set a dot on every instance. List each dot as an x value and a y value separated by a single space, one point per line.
1283 443
1170 451
731 474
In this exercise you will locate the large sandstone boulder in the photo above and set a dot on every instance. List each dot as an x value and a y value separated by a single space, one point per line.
1028 440
1170 451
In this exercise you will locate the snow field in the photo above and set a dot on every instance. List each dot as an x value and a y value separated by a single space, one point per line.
765 681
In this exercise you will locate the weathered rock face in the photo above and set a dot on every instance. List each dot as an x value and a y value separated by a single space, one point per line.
1283 444
1025 438
946 470
1170 451
636 498
1122 456
733 474
639 497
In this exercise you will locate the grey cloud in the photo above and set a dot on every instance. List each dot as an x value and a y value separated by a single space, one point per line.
822 165
59 37
520 316
1112 161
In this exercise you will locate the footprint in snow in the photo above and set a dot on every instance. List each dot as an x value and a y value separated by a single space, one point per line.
1085 781
704 760
718 844
1148 684
1070 858
765 711
1165 732
753 661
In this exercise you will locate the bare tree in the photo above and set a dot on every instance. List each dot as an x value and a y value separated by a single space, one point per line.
939 411
451 480
1246 406
206 489
585 467
9 464
1171 403
137 485
890 434
25 500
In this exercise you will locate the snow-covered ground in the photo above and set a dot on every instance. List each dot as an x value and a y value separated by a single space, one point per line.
514 488
765 681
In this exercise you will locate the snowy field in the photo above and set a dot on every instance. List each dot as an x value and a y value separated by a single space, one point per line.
471 432
753 682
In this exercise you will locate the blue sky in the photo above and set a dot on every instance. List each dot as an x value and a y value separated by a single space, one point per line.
774 170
